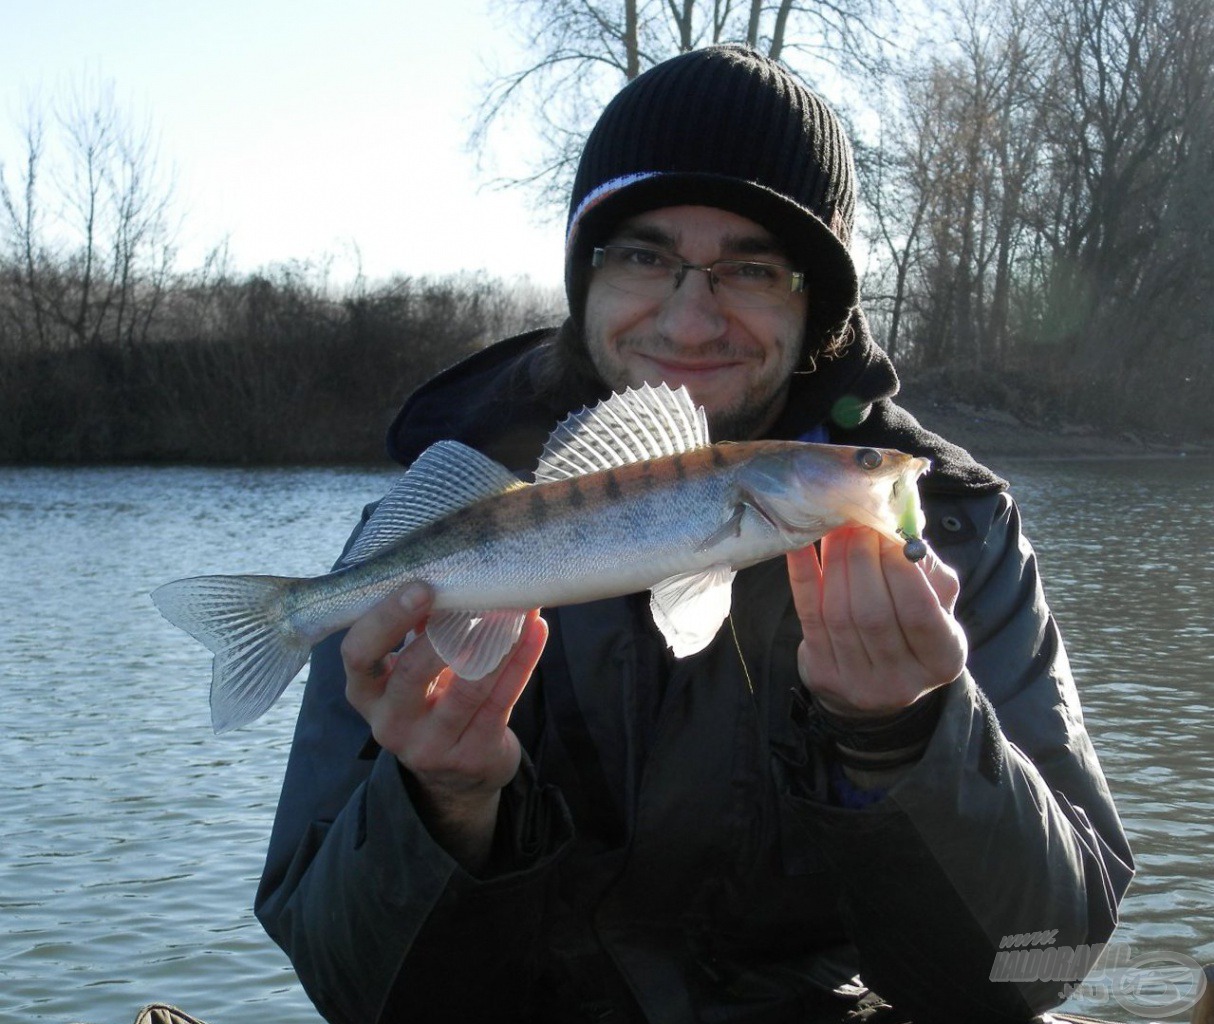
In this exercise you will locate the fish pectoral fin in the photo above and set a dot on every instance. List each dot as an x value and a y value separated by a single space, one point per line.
446 477
689 609
474 643
728 530
732 528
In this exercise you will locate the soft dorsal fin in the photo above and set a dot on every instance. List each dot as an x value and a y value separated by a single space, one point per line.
631 426
446 477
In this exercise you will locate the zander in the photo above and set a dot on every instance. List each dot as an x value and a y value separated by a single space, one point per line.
629 495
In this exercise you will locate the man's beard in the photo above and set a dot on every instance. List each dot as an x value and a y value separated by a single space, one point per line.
752 413
746 420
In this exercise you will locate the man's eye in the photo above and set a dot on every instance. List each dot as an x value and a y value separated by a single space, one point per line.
752 272
643 258
750 276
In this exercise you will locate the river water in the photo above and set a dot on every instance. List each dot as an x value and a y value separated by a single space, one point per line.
131 838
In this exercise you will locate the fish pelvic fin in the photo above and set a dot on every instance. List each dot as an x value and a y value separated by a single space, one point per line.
630 426
446 477
474 643
689 609
243 621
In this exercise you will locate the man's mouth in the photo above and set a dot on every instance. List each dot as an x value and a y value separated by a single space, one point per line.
690 367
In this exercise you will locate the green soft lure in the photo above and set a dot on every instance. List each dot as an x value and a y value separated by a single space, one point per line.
910 526
910 519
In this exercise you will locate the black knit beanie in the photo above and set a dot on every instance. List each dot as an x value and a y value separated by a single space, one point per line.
726 127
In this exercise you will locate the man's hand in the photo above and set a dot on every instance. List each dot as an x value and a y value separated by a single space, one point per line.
879 631
451 734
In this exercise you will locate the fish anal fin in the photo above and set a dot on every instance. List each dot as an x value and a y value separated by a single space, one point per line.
630 426
446 477
474 643
689 609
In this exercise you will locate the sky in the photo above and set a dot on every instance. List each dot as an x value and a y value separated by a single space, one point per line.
299 130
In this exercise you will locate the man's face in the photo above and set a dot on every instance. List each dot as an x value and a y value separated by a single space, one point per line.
735 362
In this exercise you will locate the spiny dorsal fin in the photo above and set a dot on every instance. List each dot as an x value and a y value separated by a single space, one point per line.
637 424
446 477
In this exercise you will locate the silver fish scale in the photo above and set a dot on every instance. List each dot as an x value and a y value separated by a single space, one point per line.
558 553
503 554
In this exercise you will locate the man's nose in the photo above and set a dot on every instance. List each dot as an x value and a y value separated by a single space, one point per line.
692 314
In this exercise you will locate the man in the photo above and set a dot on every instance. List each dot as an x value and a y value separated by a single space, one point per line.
878 767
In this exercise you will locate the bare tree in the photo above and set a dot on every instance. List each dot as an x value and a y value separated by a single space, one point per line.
22 230
943 196
893 175
585 50
1042 196
1121 109
87 227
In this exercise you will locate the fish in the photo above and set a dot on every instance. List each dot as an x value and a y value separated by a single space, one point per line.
628 495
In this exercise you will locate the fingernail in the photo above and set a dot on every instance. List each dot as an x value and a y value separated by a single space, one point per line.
413 597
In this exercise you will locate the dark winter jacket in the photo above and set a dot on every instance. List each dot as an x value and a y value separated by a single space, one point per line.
670 850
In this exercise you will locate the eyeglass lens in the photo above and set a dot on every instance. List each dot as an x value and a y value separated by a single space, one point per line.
655 274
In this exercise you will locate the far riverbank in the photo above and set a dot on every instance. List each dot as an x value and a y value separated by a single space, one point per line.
991 433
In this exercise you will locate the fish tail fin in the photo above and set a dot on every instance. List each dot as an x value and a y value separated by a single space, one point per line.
243 620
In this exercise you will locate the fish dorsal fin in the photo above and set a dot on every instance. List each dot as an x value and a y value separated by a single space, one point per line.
446 477
630 426
690 608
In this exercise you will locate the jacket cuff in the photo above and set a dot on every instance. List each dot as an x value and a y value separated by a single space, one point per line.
874 744
534 826
533 829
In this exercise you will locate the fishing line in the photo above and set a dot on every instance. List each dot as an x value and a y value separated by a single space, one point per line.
741 658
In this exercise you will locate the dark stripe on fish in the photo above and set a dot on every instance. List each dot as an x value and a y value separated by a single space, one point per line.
539 503
484 530
611 486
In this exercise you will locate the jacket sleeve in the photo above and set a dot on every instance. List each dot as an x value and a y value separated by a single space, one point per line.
359 895
1005 827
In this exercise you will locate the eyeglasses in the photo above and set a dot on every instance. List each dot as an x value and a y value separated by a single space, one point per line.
737 284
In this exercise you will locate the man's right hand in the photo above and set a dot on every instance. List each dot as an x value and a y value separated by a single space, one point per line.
451 734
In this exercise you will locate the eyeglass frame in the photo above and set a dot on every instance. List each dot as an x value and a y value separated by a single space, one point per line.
796 278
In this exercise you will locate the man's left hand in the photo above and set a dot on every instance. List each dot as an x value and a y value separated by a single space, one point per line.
879 631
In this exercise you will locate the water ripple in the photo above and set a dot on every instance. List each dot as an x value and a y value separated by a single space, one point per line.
131 838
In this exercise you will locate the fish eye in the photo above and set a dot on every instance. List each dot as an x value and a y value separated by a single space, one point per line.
869 458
